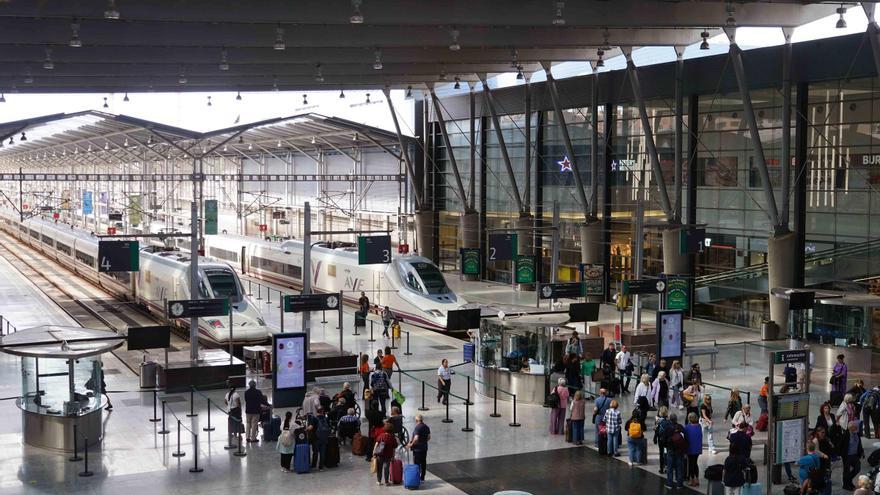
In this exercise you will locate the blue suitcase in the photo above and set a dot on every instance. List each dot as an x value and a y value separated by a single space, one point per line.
752 489
301 460
411 476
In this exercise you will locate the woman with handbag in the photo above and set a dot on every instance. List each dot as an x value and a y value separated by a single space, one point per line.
235 426
676 382
286 442
383 454
691 398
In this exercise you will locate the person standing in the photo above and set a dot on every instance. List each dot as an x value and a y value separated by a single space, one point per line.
706 422
286 442
588 366
825 419
364 370
383 450
379 386
642 396
612 428
623 361
846 413
364 304
233 410
676 381
608 357
254 400
377 361
676 450
601 406
763 394
733 475
661 426
660 391
851 451
691 397
319 433
651 365
573 373
695 374
578 416
444 382
734 404
557 413
660 367
838 381
387 316
694 435
388 362
871 411
418 444
741 440
635 431
574 345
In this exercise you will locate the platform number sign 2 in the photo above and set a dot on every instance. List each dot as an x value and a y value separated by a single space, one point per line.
502 247
374 249
118 256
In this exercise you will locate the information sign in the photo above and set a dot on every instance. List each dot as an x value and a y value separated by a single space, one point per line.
677 293
374 249
295 303
289 366
562 290
502 247
470 261
118 256
790 406
468 351
669 334
789 440
114 217
643 286
198 308
525 269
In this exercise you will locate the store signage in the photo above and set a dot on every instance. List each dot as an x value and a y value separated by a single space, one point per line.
593 277
525 269
677 292
211 217
470 261
623 165
564 165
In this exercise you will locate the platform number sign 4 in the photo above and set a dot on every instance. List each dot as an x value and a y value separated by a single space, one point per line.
502 247
374 249
118 256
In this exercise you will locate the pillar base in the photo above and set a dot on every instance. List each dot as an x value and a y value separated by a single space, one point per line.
781 250
469 230
674 263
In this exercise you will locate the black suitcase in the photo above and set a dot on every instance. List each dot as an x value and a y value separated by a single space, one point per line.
331 454
836 399
643 453
360 320
603 444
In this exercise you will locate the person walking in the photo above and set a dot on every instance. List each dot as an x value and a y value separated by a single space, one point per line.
660 390
734 404
364 370
706 422
254 400
319 433
660 435
233 410
852 452
444 382
623 361
379 386
642 396
557 411
838 381
763 394
733 474
388 362
573 373
871 411
691 398
387 316
635 432
599 408
383 450
676 452
676 381
694 435
286 443
418 445
612 428
577 415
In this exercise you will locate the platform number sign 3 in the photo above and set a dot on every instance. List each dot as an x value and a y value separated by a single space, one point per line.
502 247
118 256
374 249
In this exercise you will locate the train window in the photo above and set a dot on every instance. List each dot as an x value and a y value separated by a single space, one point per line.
223 284
431 277
293 271
63 248
122 277
412 282
35 234
23 229
223 254
85 258
331 270
48 240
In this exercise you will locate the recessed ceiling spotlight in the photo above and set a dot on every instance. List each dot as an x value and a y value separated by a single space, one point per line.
356 16
48 64
105 103
457 83
2 98
319 74
454 46
126 99
341 94
209 102
705 44
841 22
409 92
305 100
74 42
224 60
238 96
519 73
558 20
377 62
279 39
111 12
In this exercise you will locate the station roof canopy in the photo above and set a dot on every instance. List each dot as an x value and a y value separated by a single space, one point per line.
110 138
211 45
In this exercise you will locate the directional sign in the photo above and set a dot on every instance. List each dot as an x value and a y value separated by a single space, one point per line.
644 286
211 217
691 240
525 269
118 256
295 303
374 249
198 308
470 261
677 292
502 247
558 291
88 205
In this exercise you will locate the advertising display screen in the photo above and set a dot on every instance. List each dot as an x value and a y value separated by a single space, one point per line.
669 331
290 360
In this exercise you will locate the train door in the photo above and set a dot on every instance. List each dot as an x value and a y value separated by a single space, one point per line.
243 260
378 296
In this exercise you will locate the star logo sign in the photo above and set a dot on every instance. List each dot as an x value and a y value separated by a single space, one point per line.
564 165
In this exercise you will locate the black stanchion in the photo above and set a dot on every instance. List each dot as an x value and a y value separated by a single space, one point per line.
323 316
192 403
356 333
495 404
154 419
268 295
399 379
371 332
209 427
423 408
280 298
76 457
179 453
163 431
259 297
446 419
514 424
239 452
468 400
392 339
407 353
195 468
250 292
467 418
85 472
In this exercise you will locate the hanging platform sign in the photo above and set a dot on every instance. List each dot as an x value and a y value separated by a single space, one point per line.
502 247
470 261
211 217
525 269
677 293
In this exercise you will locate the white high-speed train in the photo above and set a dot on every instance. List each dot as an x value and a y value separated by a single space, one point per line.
163 275
412 286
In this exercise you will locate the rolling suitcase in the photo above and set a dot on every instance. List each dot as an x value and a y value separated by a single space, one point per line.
568 430
836 399
301 461
331 454
272 429
411 476
603 445
359 444
397 471
643 453
360 320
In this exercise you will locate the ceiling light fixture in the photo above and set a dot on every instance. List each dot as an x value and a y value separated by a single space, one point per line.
705 44
209 102
2 98
559 20
126 98
240 139
279 39
519 73
319 74
457 83
23 137
279 144
356 16
238 96
600 53
841 22
305 100
731 21
341 94
182 77
48 64
111 12
150 139
377 63
368 97
105 103
125 144
250 146
454 46
274 83
313 140
106 145
11 140
224 60
74 42
409 92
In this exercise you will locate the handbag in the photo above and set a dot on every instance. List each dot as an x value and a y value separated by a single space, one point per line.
399 397
598 375
374 465
687 397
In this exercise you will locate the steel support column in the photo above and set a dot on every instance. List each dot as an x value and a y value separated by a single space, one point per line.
594 145
786 129
575 168
404 151
472 118
496 124
736 61
679 133
873 33
649 134
800 183
449 151
527 189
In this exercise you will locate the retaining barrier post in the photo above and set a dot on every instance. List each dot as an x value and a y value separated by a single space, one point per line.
209 428
268 295
154 419
76 457
163 431
446 420
323 316
86 473
239 452
407 353
423 408
192 403
250 292
259 297
392 339
371 332
468 400
467 418
495 404
178 453
196 468
514 424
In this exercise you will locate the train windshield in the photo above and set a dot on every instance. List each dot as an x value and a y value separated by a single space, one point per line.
431 278
223 284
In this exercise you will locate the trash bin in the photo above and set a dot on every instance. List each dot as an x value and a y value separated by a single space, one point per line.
769 330
148 374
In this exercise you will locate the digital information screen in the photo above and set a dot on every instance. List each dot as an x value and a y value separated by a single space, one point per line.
669 324
290 359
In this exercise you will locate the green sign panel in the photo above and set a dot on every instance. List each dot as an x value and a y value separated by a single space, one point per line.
525 269
593 277
677 292
134 209
470 261
210 217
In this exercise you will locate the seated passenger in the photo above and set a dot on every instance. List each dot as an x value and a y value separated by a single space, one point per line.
338 410
396 420
346 394
348 425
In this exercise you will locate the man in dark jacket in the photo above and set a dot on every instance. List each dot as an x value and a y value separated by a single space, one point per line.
254 400
741 440
851 451
608 356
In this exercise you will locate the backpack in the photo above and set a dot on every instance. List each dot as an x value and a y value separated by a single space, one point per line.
677 440
635 429
790 374
552 400
323 428
286 439
870 401
751 472
661 430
